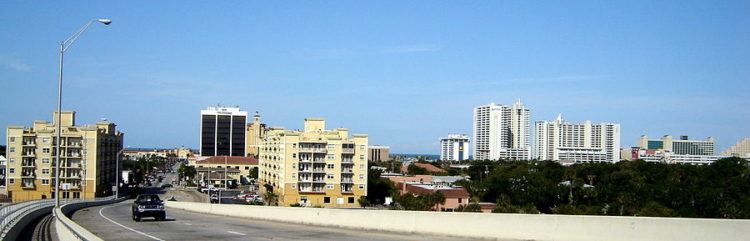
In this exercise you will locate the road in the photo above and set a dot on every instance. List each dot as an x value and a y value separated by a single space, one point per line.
113 222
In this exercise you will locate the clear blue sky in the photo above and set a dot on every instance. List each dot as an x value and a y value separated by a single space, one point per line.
406 73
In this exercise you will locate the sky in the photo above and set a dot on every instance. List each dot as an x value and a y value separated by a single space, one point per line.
404 72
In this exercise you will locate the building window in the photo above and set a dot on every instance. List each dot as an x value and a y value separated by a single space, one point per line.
45 150
361 147
12 139
45 140
45 160
330 157
329 186
326 199
294 185
12 160
351 200
330 176
76 195
11 181
361 176
294 155
12 149
294 175
460 200
361 157
330 166
45 181
361 186
237 167
218 167
45 171
11 171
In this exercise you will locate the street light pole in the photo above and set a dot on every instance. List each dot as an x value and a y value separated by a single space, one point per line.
64 45
117 173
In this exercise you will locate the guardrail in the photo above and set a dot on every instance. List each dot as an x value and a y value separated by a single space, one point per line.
13 217
69 230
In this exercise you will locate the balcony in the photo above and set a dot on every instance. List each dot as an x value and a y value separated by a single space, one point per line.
28 175
28 154
347 180
26 185
347 151
319 160
28 164
318 170
304 170
319 180
347 170
312 150
347 160
29 143
305 160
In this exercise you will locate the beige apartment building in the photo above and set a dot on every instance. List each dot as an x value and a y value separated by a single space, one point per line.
254 133
314 167
87 158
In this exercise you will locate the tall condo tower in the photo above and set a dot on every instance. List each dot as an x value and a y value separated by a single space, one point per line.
501 132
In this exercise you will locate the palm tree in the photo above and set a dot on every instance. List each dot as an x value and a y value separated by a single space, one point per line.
271 198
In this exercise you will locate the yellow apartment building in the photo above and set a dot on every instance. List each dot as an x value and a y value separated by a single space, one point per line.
87 158
314 167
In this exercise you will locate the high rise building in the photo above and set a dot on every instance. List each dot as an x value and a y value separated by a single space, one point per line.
501 132
254 134
741 149
378 153
314 167
683 146
87 159
223 131
455 147
585 142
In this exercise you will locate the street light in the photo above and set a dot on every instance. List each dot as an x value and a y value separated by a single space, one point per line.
64 45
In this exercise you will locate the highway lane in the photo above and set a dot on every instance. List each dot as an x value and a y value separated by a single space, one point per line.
113 222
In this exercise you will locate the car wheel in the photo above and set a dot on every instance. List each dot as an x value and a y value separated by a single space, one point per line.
136 218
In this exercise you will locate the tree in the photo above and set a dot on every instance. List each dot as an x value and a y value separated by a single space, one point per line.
471 207
417 170
363 202
378 188
271 198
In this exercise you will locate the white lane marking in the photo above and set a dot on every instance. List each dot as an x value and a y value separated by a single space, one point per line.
233 232
188 224
126 227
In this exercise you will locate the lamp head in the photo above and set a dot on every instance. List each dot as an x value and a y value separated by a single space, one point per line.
105 21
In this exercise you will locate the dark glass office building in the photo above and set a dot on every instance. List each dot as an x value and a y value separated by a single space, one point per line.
223 131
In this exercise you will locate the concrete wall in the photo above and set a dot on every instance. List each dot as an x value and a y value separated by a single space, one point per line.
69 230
493 226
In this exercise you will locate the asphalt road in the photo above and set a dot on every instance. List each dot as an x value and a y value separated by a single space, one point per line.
113 222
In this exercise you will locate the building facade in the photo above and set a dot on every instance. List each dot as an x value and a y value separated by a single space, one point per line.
315 166
664 156
574 143
87 160
254 134
378 153
455 147
682 146
741 149
501 132
238 169
223 131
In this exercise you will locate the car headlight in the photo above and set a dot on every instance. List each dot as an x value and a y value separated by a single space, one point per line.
140 206
161 207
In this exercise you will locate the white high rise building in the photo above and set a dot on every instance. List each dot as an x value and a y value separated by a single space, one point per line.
501 132
585 142
455 147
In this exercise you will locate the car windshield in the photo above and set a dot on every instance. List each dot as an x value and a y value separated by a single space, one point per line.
148 198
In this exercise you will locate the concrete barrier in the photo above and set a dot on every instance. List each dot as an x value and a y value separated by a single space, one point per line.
69 230
492 226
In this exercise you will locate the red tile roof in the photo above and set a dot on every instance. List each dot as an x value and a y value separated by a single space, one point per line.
230 160
429 167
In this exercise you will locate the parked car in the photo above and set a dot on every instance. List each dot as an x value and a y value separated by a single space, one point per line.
148 205
167 185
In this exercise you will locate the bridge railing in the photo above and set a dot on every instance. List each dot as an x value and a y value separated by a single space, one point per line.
69 230
14 217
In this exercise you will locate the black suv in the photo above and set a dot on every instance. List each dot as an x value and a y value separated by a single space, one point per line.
148 205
